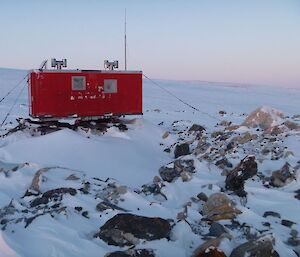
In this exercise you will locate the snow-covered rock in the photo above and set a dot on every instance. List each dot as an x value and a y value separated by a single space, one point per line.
264 118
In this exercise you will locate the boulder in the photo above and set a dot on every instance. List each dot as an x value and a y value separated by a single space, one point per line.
283 176
264 118
181 150
196 128
219 207
235 179
126 229
261 247
174 169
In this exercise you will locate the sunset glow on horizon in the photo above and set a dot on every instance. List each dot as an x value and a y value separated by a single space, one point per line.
253 42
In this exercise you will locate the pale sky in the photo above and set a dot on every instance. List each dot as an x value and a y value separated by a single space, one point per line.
245 41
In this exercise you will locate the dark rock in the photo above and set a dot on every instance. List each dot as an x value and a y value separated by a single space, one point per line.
230 146
235 179
132 253
202 196
266 224
217 134
196 128
118 229
297 196
54 194
78 208
103 206
216 229
223 163
174 169
85 214
261 247
181 150
283 176
287 223
272 213
293 241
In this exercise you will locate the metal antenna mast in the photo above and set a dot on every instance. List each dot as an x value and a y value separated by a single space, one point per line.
125 42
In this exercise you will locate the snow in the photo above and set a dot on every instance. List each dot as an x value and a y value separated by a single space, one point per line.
133 158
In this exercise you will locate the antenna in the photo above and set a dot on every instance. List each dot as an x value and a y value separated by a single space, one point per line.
125 42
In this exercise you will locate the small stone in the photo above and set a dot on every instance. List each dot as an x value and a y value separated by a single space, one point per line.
297 196
196 128
181 150
225 123
272 213
293 241
72 177
121 190
232 128
294 233
156 179
173 170
165 135
223 163
216 229
185 176
266 224
202 196
287 223
78 208
85 214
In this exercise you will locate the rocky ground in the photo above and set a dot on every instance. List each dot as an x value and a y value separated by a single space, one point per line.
215 197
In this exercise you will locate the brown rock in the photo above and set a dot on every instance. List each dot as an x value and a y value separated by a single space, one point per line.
165 135
219 207
283 176
232 127
263 117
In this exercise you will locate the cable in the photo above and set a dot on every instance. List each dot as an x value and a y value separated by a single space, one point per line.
13 105
182 101
9 92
